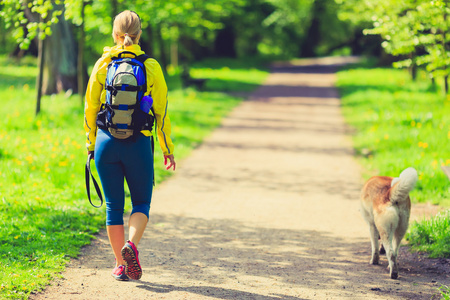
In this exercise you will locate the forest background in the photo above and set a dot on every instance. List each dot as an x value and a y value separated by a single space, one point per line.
53 44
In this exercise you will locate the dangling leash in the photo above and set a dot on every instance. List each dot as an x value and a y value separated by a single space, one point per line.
97 188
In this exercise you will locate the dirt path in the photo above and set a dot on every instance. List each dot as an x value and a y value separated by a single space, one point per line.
266 208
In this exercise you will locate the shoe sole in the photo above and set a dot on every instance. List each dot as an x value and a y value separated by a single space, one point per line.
132 267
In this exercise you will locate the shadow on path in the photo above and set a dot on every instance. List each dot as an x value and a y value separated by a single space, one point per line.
209 291
213 251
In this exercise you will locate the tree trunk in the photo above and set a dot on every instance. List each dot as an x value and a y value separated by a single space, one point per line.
312 39
446 84
60 70
41 50
114 8
80 67
224 44
147 41
162 52
413 71
174 53
444 46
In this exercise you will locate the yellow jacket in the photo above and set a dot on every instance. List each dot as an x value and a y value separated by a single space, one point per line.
156 86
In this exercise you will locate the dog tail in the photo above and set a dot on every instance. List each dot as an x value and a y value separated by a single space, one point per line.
402 185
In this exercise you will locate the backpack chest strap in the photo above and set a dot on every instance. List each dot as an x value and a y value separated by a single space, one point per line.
122 106
125 87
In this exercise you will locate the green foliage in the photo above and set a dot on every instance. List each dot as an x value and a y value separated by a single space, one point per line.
416 31
431 236
185 30
445 292
30 19
399 123
45 217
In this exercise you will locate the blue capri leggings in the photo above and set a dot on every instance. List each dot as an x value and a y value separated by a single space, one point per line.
128 159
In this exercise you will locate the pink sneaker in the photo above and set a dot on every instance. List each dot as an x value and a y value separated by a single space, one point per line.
130 256
119 273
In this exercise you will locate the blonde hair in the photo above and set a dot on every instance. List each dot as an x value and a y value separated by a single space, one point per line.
127 28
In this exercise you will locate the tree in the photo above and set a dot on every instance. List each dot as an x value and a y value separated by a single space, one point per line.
57 63
416 31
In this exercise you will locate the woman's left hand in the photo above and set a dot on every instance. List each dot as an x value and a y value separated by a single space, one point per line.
171 161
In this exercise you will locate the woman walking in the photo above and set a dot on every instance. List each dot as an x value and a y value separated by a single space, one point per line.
131 158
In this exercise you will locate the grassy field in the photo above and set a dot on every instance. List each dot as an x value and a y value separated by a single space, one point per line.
399 123
45 217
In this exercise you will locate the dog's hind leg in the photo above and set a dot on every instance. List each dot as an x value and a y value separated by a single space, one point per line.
374 241
398 236
390 254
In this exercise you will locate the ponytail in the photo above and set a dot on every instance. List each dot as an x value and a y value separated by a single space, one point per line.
127 40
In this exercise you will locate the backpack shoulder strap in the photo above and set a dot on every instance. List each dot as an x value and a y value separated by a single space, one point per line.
142 58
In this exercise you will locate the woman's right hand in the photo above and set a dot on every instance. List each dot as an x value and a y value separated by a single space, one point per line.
171 159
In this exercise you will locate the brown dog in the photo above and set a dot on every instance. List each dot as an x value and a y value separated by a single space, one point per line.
386 206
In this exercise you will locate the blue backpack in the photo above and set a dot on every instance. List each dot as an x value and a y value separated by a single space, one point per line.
125 113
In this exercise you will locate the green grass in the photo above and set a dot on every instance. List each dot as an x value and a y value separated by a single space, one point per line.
431 236
399 123
445 292
45 217
230 75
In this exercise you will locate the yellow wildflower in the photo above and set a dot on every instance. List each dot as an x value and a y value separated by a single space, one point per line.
434 164
63 163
